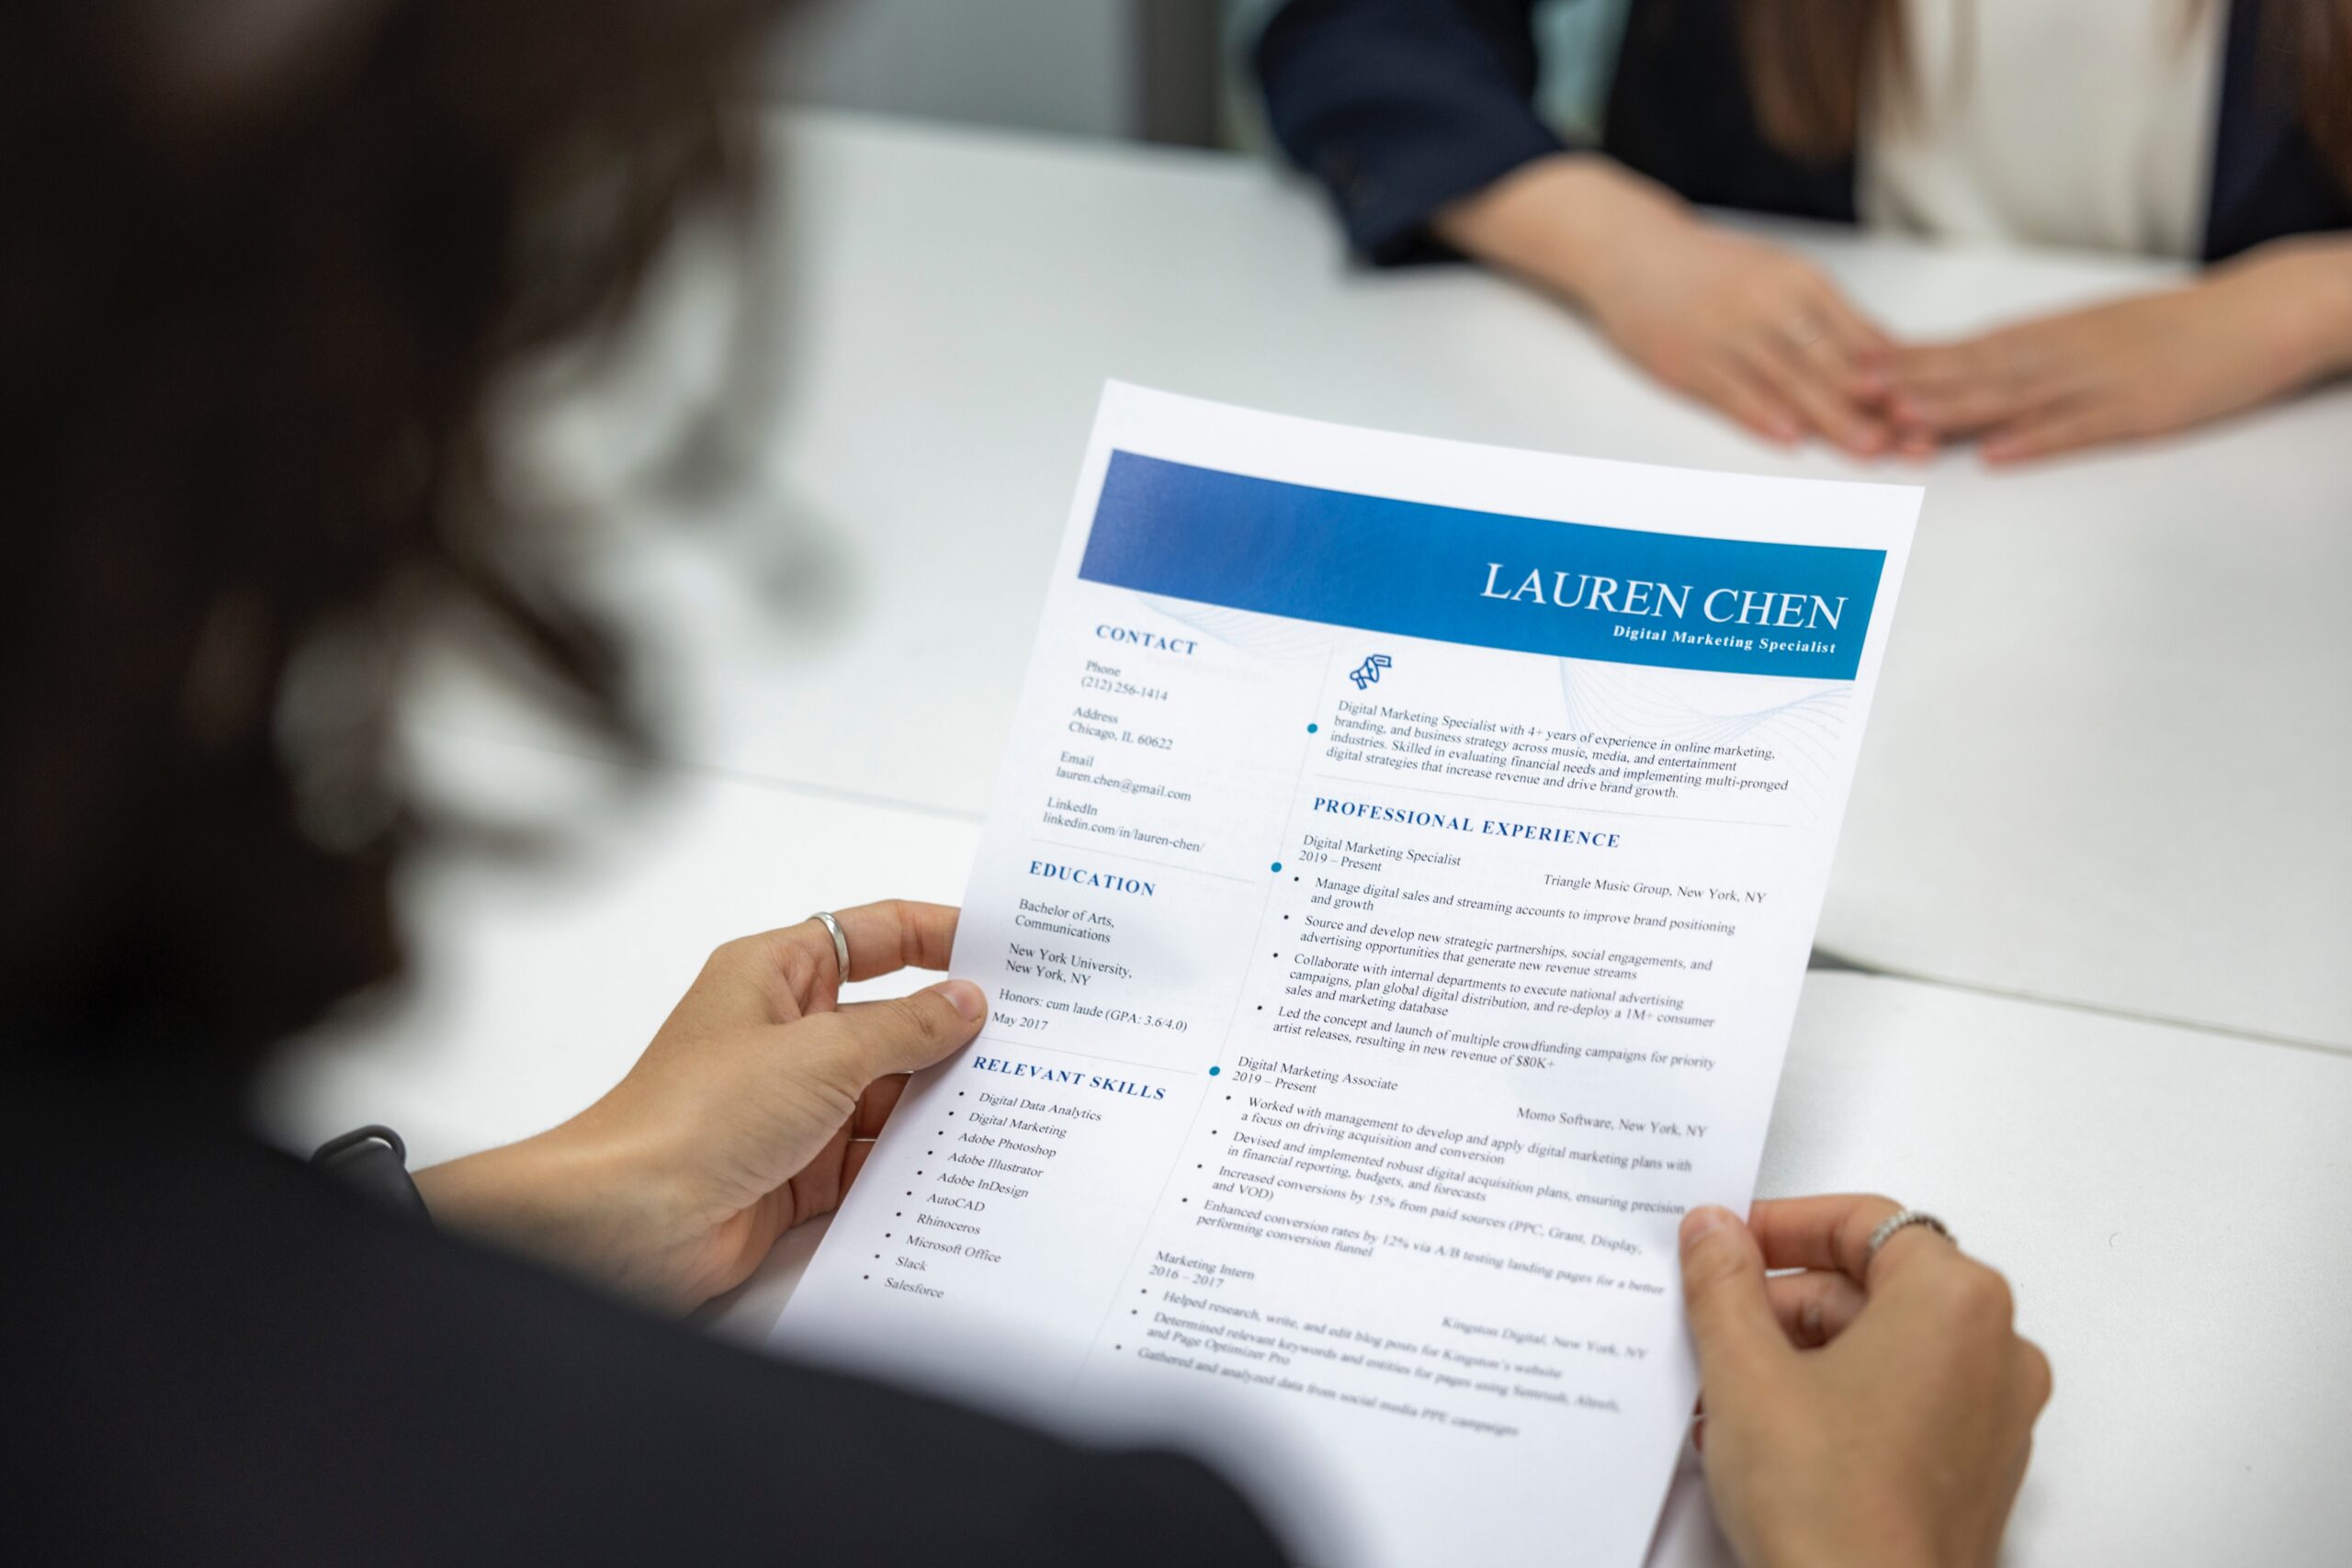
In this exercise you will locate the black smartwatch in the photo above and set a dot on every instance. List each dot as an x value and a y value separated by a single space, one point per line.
373 1162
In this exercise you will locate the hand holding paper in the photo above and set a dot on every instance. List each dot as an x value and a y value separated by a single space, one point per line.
1393 911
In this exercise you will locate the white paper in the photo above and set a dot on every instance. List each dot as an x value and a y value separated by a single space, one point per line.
1370 999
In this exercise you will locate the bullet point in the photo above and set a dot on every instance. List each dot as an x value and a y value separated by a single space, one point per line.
1278 865
1310 729
1214 1071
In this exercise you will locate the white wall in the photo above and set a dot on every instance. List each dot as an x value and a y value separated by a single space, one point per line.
1063 65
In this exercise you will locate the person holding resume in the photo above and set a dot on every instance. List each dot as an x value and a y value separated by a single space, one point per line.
266 272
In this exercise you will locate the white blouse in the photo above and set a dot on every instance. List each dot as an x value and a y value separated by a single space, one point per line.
2066 122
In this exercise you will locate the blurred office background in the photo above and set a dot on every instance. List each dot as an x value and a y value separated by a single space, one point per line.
1168 71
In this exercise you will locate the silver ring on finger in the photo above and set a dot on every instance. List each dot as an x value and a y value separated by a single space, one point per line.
840 943
1903 1219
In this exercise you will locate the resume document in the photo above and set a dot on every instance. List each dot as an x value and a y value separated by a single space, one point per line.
1393 909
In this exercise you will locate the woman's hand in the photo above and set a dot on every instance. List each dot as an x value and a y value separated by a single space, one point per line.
2250 331
750 1113
1865 1411
1758 333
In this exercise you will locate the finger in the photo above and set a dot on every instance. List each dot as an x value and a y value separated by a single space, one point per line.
874 1107
1814 1307
895 934
1824 403
2034 1377
2012 1482
1916 443
882 938
1829 1231
1975 408
815 1187
1853 347
2008 374
1730 388
853 1047
2048 432
1723 1291
777 975
1939 365
853 1160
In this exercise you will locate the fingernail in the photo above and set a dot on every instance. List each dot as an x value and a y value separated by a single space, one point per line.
1699 1222
968 998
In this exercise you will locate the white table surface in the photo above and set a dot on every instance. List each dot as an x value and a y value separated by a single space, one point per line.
2169 1203
2108 756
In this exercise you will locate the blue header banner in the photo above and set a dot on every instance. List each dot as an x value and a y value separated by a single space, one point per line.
1568 589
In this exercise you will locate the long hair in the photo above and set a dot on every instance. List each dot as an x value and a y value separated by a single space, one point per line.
263 260
1811 65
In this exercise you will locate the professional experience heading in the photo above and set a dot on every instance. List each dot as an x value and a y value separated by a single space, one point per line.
1405 816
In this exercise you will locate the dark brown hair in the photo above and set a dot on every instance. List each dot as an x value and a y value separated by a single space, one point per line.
263 261
1811 62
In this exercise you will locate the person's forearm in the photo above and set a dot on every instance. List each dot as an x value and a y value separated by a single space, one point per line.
2307 280
1561 221
2329 260
567 1197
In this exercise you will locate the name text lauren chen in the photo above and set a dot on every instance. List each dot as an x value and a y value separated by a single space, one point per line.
1634 596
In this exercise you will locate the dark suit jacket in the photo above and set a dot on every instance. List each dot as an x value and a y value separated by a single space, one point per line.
214 1355
1399 106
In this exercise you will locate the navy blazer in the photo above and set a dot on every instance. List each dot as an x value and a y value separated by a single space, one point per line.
1399 106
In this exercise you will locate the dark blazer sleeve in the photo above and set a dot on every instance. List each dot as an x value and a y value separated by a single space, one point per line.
230 1360
1399 106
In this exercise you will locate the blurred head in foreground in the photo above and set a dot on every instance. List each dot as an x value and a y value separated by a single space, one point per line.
266 260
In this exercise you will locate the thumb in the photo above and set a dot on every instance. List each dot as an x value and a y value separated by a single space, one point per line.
1722 1291
871 1040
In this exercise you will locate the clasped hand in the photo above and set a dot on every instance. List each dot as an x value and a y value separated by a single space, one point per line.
1767 337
